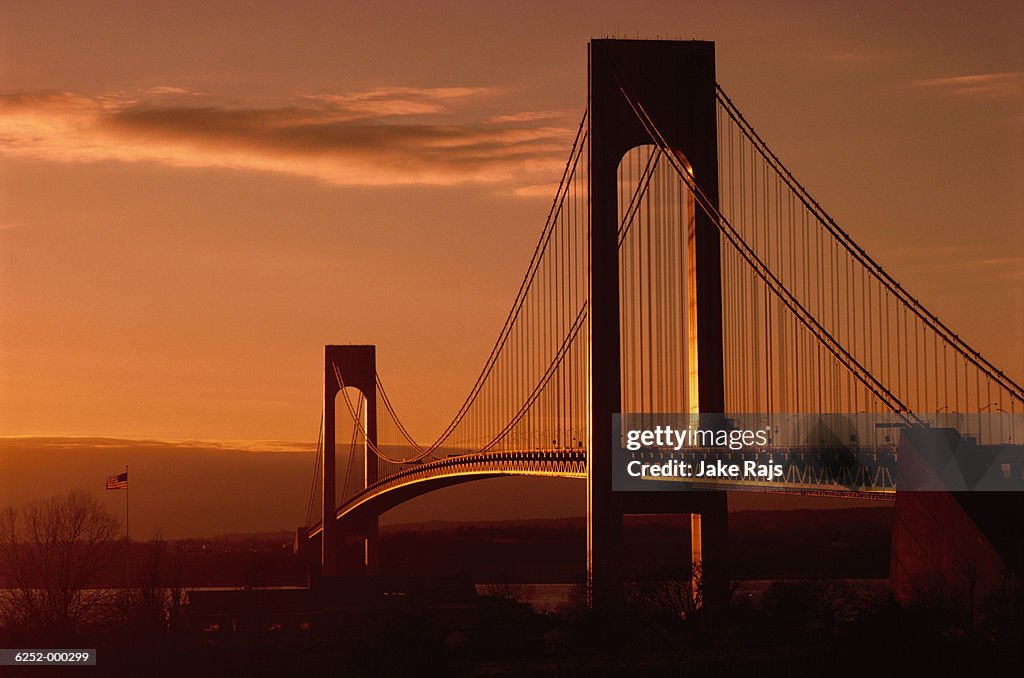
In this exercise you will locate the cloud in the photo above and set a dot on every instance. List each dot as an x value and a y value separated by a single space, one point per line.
172 91
401 101
86 443
1010 83
537 190
962 259
383 137
528 116
1006 268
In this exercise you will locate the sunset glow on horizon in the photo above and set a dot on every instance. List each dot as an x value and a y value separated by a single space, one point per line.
195 199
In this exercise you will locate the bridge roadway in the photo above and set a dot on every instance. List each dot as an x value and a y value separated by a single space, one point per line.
423 477
866 473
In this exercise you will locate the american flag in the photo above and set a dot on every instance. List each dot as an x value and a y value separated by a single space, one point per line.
118 482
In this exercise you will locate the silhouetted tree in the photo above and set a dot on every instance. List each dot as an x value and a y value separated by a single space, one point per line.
51 552
677 598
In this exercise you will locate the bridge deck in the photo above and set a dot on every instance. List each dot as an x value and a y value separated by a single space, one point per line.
867 473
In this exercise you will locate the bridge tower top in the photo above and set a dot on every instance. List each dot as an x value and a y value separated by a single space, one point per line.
675 82
356 364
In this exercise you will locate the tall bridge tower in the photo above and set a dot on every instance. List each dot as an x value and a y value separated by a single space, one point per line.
676 83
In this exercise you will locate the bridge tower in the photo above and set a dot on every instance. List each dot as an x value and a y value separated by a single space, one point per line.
675 82
357 367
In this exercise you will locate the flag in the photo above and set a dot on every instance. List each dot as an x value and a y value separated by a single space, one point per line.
118 482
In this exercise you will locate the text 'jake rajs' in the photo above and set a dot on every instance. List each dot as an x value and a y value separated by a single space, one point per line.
675 468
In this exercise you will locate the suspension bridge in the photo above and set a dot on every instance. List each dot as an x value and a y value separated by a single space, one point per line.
682 268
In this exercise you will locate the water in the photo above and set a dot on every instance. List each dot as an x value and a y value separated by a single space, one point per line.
542 597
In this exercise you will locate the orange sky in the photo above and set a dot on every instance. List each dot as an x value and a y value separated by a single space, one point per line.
195 199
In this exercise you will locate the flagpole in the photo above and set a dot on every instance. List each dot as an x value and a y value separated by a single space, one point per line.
127 538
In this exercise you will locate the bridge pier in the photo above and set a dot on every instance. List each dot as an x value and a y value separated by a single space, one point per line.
709 534
675 81
371 548
357 368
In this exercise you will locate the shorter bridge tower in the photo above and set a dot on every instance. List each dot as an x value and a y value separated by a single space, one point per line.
356 366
